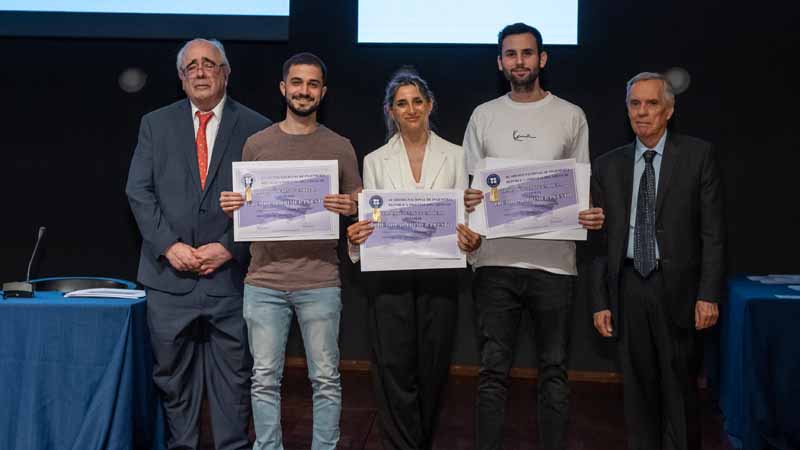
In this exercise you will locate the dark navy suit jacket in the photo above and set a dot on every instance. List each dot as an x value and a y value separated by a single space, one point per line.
690 227
169 206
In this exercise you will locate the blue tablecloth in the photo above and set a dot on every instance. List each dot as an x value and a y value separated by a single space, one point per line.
76 374
760 366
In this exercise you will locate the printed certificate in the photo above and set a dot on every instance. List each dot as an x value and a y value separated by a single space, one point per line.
284 200
477 219
413 229
527 198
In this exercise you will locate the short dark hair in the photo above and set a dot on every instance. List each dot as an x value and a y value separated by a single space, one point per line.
519 28
308 59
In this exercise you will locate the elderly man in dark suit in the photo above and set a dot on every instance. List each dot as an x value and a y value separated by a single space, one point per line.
189 264
662 272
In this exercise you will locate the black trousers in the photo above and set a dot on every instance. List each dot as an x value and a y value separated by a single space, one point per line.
501 295
412 320
660 363
200 344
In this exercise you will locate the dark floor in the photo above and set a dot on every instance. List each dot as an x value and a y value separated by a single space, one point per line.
596 417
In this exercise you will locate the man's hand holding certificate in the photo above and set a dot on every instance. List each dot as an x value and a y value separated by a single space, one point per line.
411 229
285 200
530 198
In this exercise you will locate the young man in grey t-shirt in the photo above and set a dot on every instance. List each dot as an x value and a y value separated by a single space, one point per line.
511 274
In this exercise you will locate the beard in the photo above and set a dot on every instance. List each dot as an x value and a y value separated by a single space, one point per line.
305 112
522 84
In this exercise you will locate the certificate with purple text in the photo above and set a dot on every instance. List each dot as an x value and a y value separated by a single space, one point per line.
528 198
284 200
414 229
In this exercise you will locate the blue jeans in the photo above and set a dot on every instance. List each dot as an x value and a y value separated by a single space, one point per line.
268 314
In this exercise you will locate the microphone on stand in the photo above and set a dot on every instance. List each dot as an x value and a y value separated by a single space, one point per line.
24 289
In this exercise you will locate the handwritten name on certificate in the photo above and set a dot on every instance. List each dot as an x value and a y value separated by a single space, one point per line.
529 198
413 229
284 200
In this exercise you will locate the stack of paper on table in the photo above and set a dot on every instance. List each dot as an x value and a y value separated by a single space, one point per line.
107 293
776 279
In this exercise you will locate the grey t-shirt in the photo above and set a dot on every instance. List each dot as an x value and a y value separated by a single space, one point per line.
299 265
545 130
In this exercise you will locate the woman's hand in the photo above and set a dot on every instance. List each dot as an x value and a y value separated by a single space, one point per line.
468 240
358 232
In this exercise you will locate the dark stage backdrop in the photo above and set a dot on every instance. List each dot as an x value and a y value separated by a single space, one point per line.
68 131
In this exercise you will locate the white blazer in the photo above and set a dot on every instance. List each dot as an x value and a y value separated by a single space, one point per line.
388 167
443 166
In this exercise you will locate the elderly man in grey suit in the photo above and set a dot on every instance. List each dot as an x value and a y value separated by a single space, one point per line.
662 269
189 264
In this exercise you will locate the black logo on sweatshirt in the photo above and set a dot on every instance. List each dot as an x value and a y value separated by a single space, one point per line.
519 137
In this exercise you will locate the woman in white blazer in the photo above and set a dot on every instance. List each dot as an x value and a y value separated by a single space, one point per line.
412 314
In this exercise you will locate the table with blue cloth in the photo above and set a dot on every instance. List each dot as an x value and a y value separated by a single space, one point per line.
75 373
760 366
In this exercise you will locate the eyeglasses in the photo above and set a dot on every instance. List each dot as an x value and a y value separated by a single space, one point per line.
193 69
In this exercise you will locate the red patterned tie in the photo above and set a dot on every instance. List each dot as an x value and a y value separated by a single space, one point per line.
202 146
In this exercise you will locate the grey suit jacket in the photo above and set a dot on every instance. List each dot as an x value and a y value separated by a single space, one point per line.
164 193
690 227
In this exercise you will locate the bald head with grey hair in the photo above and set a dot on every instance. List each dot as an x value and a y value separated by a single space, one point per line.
667 93
217 44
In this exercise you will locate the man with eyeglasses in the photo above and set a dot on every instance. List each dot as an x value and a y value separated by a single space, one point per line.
189 264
